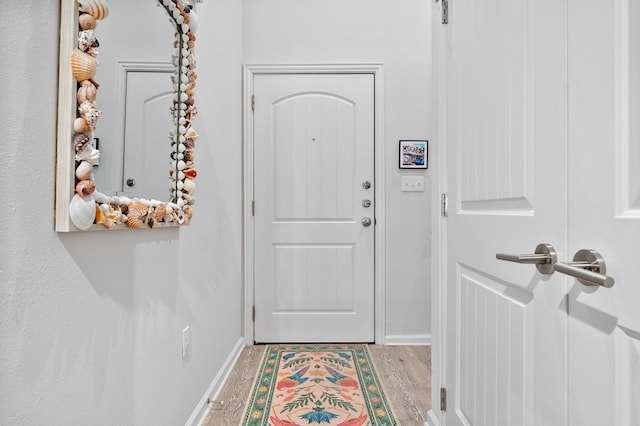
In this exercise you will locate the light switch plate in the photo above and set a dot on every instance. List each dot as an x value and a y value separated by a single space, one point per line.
412 183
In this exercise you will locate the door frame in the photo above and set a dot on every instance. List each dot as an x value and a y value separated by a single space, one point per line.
435 416
249 71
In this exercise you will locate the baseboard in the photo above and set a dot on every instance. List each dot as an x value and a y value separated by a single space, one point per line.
201 409
408 340
432 420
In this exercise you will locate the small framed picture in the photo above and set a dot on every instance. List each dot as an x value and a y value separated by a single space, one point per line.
413 154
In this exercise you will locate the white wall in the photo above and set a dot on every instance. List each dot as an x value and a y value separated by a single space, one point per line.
396 34
90 323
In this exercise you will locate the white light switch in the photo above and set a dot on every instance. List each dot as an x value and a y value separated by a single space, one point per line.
413 183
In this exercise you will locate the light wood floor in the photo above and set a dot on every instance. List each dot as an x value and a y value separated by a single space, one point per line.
405 373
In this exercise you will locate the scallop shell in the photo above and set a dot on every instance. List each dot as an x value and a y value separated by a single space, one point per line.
87 22
87 92
82 211
161 211
83 65
136 214
96 8
85 188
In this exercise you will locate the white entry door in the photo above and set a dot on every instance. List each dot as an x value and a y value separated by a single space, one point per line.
542 148
504 128
314 207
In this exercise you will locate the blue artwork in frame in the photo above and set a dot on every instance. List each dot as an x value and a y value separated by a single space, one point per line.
414 154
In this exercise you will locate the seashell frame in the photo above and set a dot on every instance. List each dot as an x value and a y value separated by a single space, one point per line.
78 113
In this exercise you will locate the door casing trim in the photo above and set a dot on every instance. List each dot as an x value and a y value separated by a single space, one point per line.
251 70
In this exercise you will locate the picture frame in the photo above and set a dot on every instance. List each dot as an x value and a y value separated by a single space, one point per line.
413 154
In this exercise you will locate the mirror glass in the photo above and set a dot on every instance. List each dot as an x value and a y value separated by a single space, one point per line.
132 77
135 97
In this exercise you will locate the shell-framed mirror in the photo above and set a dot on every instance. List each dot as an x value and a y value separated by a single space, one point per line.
81 202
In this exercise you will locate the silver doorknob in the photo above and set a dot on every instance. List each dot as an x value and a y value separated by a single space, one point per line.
131 182
588 267
366 221
544 258
366 203
366 184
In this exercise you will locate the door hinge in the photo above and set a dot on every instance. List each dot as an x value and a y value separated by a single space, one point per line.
253 102
443 399
253 313
444 205
445 12
253 208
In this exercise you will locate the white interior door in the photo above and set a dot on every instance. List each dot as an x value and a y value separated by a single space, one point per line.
314 255
522 348
147 124
604 210
504 128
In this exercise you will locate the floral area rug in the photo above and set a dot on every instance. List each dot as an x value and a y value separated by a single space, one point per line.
317 384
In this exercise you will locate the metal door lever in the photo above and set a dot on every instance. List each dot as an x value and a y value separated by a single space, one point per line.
544 258
588 267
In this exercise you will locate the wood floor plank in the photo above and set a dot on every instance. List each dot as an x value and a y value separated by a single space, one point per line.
405 374
404 371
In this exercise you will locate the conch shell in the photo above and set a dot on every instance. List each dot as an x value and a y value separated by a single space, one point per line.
89 155
136 214
82 211
100 218
90 113
96 8
87 92
83 65
87 40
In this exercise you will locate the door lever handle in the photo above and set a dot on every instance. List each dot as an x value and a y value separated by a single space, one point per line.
544 258
588 267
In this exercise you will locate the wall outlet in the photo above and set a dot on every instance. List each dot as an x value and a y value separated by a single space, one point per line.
186 342
413 183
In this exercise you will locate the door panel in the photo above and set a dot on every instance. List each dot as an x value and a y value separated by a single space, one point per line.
505 133
314 260
147 123
604 189
314 180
